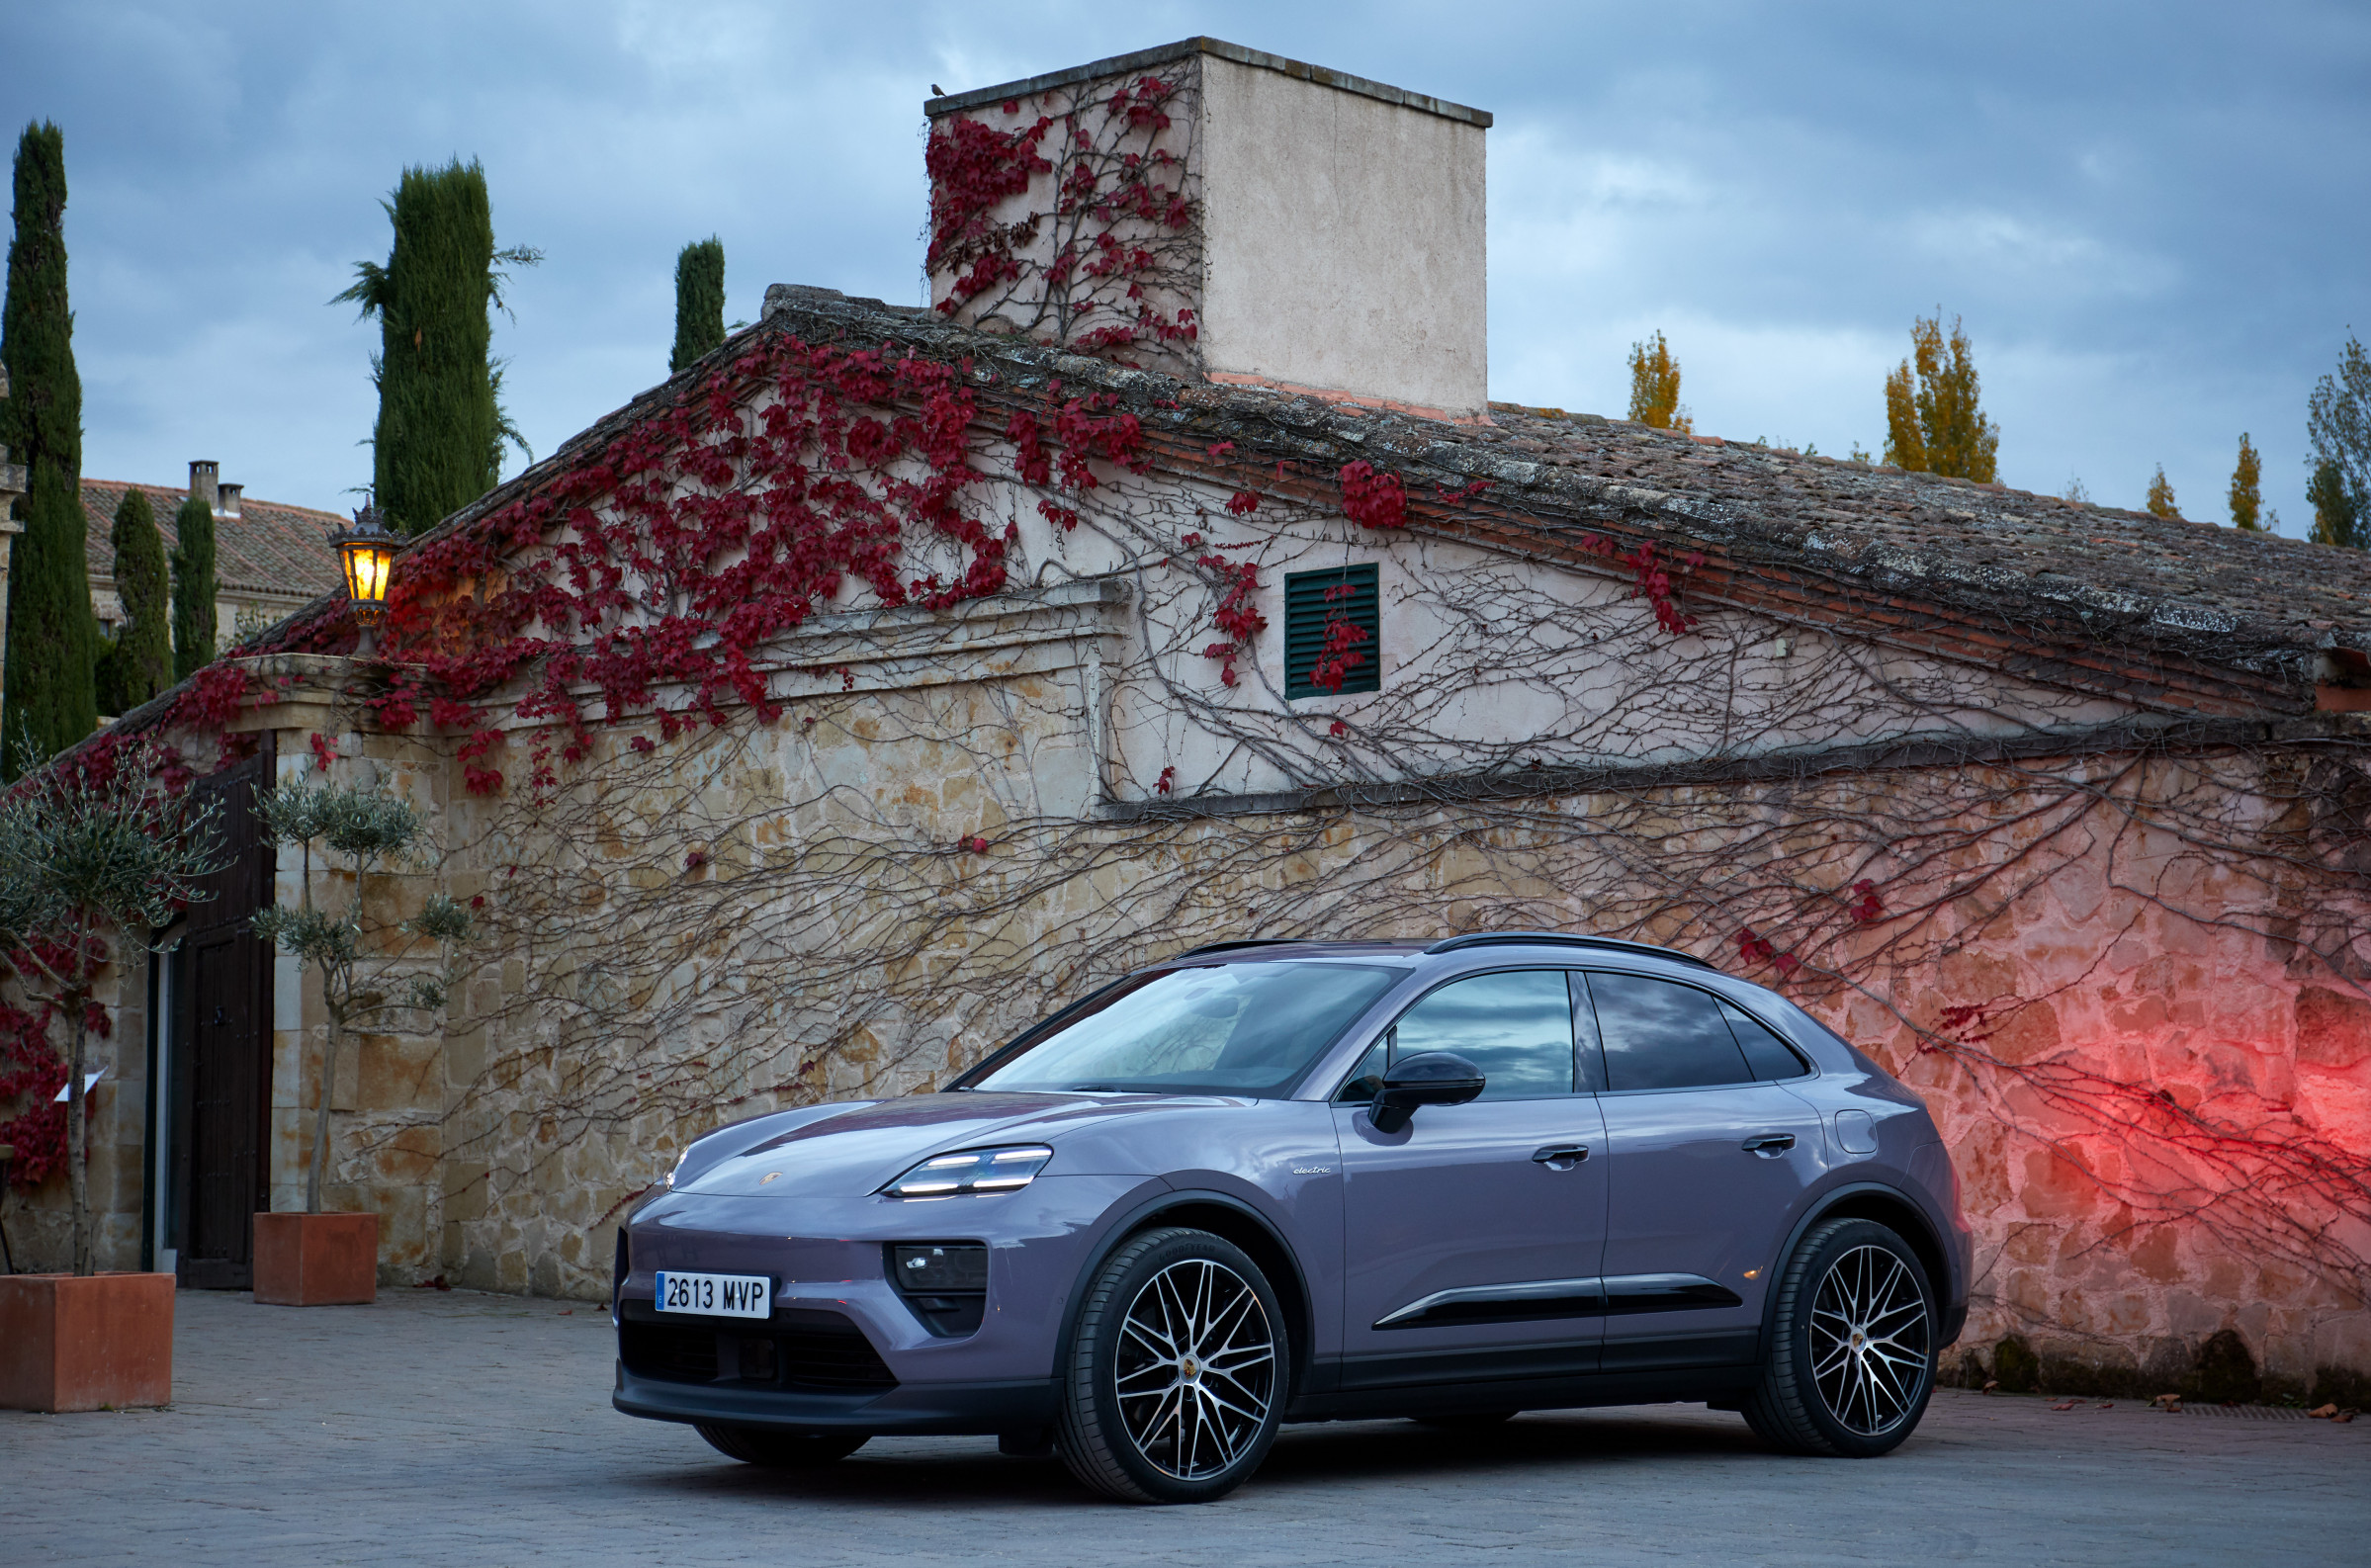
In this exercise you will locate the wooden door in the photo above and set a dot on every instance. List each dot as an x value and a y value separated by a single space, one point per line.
221 1050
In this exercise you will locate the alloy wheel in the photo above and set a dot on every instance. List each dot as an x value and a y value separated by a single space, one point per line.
1196 1369
1871 1341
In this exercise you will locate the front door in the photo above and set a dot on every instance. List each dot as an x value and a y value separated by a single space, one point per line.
222 1032
1709 1160
1471 1236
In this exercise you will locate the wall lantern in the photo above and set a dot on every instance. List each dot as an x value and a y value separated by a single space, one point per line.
367 554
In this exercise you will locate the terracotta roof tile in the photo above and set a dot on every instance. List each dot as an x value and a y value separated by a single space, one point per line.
268 550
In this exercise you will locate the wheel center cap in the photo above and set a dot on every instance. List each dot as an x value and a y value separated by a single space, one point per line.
1192 1369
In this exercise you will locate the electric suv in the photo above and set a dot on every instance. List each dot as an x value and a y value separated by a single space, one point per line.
1271 1182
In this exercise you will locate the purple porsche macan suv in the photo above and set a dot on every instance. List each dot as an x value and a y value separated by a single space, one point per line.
1271 1182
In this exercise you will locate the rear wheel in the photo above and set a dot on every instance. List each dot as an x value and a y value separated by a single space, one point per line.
783 1451
1174 1381
1852 1355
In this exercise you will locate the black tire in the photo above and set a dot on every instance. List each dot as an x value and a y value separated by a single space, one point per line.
1194 1421
1852 1349
783 1451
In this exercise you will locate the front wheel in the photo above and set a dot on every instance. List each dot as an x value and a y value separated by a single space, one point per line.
783 1451
1852 1354
1176 1377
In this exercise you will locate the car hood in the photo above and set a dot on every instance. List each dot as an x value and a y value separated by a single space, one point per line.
859 1148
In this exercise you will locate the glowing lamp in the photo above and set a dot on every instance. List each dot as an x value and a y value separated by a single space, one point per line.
367 554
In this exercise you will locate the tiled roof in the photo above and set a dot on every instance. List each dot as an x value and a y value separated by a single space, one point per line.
269 550
2162 611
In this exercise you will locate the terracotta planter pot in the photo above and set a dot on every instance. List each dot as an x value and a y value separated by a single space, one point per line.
68 1344
317 1260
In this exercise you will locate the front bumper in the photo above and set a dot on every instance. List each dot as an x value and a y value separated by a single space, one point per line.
848 1350
910 1409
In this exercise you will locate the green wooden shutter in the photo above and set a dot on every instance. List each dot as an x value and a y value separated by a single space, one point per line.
1308 615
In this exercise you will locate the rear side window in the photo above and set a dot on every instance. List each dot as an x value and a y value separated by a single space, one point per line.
1661 1035
1769 1056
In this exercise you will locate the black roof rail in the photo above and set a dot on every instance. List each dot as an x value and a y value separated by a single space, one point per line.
1454 944
1228 947
1284 942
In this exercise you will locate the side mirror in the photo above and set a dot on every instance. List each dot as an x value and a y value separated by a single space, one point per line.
1428 1078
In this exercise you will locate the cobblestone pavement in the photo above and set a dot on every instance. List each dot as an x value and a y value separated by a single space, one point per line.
475 1429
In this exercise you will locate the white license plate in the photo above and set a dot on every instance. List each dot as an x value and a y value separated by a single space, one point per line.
715 1295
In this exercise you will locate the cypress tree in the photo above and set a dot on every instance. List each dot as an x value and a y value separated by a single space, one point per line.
139 664
1935 423
438 442
193 587
699 300
46 698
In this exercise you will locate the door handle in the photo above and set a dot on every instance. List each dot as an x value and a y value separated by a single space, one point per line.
1560 1156
1769 1145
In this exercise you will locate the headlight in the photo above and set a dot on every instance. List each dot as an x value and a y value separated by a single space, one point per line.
972 1171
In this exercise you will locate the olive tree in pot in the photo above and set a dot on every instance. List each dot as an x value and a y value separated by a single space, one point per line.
93 856
360 955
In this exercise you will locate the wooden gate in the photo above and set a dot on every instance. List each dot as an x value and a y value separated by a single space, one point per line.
222 1058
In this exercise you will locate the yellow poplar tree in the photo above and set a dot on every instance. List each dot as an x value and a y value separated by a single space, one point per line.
1655 389
2160 495
1934 423
2247 489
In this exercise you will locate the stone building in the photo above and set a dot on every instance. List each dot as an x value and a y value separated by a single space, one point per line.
893 674
269 558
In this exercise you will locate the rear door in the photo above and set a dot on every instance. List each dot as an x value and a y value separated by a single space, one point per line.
1710 1158
1471 1236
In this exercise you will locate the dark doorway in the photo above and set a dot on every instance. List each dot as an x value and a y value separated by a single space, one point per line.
222 1058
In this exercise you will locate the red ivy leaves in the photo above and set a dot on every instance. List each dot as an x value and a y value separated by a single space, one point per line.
1165 782
1237 615
652 585
1867 906
974 167
1652 578
1338 655
1243 504
1759 950
1372 497
325 751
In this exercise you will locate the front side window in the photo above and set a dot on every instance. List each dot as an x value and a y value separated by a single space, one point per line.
1658 1034
1249 1029
1516 1025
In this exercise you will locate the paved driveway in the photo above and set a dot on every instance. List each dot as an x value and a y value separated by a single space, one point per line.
467 1430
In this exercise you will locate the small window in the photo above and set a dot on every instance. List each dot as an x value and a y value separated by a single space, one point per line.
1662 1035
1333 631
1769 1056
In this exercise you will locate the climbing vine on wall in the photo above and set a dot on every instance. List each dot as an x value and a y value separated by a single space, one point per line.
1065 217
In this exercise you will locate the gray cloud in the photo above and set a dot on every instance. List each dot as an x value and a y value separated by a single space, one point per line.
2151 218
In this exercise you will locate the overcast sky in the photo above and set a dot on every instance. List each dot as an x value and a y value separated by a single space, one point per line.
2151 217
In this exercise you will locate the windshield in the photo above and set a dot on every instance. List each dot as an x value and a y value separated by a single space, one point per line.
1249 1029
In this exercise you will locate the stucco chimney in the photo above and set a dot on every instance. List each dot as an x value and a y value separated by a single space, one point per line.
1325 233
226 500
203 481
